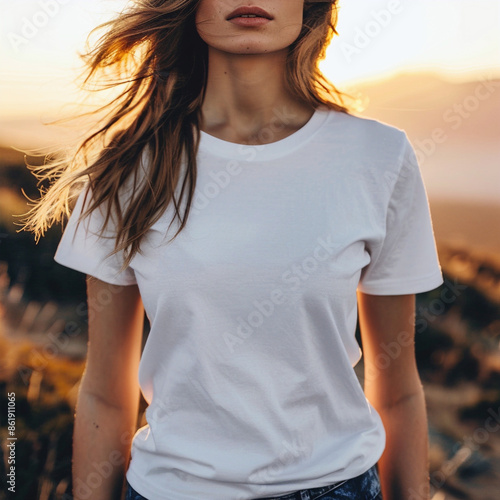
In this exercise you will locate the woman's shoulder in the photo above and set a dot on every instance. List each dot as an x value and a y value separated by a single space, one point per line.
363 130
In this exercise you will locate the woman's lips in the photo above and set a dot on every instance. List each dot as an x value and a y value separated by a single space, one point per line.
249 21
249 16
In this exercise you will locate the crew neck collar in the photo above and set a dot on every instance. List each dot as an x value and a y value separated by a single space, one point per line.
263 152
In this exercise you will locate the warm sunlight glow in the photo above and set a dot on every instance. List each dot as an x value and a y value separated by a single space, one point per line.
40 41
458 38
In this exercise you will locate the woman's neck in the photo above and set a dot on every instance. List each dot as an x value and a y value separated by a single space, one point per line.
246 95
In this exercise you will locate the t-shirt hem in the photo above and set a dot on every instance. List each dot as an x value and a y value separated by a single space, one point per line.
402 287
80 266
148 491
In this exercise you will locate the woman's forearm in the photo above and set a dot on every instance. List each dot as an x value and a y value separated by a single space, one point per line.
101 448
404 464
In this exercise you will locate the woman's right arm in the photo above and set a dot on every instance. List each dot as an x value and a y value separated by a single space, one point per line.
108 398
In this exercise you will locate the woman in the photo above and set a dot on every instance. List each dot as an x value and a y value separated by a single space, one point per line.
297 212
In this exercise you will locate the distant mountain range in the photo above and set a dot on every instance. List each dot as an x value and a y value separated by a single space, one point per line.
454 127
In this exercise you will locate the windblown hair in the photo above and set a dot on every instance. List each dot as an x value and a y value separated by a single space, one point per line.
156 44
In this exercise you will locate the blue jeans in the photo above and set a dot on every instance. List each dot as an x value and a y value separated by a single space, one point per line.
363 487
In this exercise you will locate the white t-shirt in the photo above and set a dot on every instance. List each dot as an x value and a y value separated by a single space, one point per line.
248 367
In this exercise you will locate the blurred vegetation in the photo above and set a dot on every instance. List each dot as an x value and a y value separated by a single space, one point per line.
31 265
45 401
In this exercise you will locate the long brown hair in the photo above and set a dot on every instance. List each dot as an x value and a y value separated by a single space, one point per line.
159 112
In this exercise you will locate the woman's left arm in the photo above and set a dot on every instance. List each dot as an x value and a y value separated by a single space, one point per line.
393 387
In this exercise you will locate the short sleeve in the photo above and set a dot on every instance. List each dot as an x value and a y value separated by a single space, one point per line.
406 260
83 249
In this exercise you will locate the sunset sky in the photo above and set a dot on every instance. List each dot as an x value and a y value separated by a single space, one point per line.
39 40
